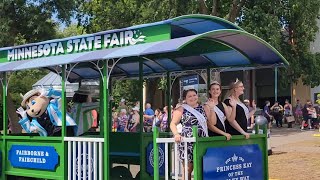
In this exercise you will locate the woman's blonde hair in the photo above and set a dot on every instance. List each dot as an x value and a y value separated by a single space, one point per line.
232 87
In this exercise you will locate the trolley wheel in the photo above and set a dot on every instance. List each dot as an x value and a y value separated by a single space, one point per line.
120 172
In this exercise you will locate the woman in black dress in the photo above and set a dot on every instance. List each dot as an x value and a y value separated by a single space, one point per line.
242 112
223 113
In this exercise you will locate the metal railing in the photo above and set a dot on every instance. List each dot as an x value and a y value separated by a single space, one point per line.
176 165
85 158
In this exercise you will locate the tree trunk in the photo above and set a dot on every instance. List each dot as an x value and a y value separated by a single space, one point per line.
215 6
152 86
203 7
235 9
12 117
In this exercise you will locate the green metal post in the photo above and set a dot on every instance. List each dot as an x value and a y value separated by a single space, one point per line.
106 128
5 122
110 104
256 128
195 152
266 163
155 155
63 96
64 160
101 118
169 96
142 158
276 83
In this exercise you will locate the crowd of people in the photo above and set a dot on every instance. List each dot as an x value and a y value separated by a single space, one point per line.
306 116
126 119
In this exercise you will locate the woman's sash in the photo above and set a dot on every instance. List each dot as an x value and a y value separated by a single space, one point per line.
201 119
245 109
221 116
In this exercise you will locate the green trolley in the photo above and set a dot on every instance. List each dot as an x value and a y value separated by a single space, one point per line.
191 44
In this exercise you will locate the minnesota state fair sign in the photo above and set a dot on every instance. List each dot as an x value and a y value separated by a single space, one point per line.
33 157
90 42
233 163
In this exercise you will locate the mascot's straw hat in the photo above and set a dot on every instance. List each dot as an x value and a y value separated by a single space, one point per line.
28 95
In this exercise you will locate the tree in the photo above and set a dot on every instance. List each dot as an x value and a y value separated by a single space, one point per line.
21 22
92 15
288 25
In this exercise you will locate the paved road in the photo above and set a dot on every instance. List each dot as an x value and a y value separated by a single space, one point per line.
283 138
296 154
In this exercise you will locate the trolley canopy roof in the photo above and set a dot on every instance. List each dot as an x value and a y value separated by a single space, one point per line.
186 43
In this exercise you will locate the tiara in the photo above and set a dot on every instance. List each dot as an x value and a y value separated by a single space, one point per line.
237 80
215 82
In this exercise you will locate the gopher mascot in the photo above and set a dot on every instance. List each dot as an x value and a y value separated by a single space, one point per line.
40 113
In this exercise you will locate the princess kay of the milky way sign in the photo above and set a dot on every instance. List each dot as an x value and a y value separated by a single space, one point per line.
233 163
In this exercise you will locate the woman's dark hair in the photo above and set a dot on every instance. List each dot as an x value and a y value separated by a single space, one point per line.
214 83
185 92
79 98
159 110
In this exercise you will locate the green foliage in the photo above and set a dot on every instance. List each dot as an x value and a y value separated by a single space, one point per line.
127 89
24 21
288 25
98 16
22 81
125 13
72 30
31 20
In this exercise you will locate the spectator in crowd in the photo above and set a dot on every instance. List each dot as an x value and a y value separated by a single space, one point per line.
134 120
298 112
122 105
277 113
314 117
164 122
306 113
148 118
267 113
123 121
157 118
114 121
288 112
137 104
250 122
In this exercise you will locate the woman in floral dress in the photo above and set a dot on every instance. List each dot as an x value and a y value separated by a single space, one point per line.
190 114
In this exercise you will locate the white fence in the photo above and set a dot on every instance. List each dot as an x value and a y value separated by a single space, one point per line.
85 158
176 166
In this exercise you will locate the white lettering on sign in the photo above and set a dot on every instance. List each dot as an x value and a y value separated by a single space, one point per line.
28 156
117 39
235 171
32 160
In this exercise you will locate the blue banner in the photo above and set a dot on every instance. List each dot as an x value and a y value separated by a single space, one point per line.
233 163
150 159
190 80
33 157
